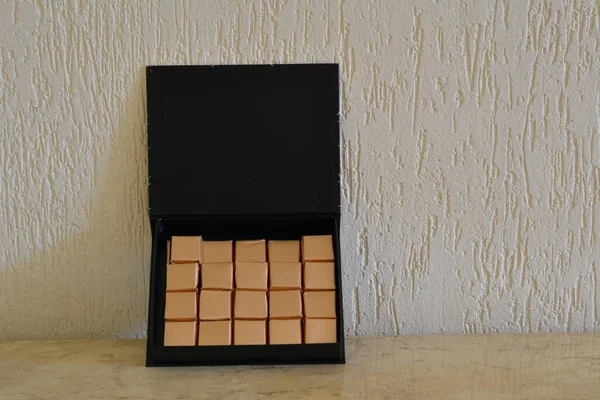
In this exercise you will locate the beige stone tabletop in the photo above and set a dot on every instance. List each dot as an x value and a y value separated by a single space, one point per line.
528 366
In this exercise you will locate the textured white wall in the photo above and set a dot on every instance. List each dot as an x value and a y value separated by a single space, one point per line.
471 156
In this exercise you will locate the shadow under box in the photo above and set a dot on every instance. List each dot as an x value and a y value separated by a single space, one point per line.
237 228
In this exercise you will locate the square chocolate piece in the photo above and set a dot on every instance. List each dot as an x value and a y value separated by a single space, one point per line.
320 331
250 251
285 331
251 276
182 277
250 304
250 332
319 276
285 276
215 305
181 305
285 304
214 333
217 251
217 276
180 333
317 248
186 249
284 251
319 304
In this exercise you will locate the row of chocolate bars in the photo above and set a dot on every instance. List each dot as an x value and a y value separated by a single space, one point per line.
250 292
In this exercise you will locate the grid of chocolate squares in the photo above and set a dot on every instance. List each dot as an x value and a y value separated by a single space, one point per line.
250 292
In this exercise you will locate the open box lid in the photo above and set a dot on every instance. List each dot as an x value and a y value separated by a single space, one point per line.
243 140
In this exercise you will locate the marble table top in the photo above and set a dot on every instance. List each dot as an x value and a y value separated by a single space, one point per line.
528 366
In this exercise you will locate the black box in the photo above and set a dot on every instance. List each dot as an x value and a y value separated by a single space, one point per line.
242 152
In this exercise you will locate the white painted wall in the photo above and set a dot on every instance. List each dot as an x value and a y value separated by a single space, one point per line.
471 156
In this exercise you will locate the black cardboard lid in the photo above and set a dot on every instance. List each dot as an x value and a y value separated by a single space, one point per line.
243 140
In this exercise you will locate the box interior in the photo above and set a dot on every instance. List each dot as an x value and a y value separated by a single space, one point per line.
237 228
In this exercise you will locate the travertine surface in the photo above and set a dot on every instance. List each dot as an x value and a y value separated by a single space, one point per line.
470 154
535 366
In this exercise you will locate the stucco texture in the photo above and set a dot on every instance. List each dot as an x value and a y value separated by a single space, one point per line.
470 156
